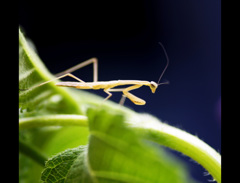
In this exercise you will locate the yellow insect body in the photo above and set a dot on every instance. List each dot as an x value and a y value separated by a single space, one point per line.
107 86
104 84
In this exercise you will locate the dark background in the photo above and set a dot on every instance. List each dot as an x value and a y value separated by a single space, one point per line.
124 36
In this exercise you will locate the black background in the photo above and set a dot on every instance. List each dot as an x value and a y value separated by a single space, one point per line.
124 36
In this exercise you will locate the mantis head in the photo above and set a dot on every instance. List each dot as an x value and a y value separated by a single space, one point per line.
153 86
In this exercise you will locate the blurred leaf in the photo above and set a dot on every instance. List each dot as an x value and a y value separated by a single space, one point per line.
45 99
114 154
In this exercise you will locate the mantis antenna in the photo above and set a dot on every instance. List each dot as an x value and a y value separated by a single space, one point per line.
165 52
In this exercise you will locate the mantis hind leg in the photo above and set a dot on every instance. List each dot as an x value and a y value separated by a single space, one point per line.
94 61
65 75
72 69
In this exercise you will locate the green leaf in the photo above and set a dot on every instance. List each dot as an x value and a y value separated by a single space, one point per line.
67 166
114 154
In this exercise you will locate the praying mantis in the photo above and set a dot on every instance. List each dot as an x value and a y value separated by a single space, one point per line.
107 86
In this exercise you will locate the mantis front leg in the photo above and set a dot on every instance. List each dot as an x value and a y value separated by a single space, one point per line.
132 97
126 93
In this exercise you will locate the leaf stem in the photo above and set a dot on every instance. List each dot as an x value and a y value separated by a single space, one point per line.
53 120
32 152
183 142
